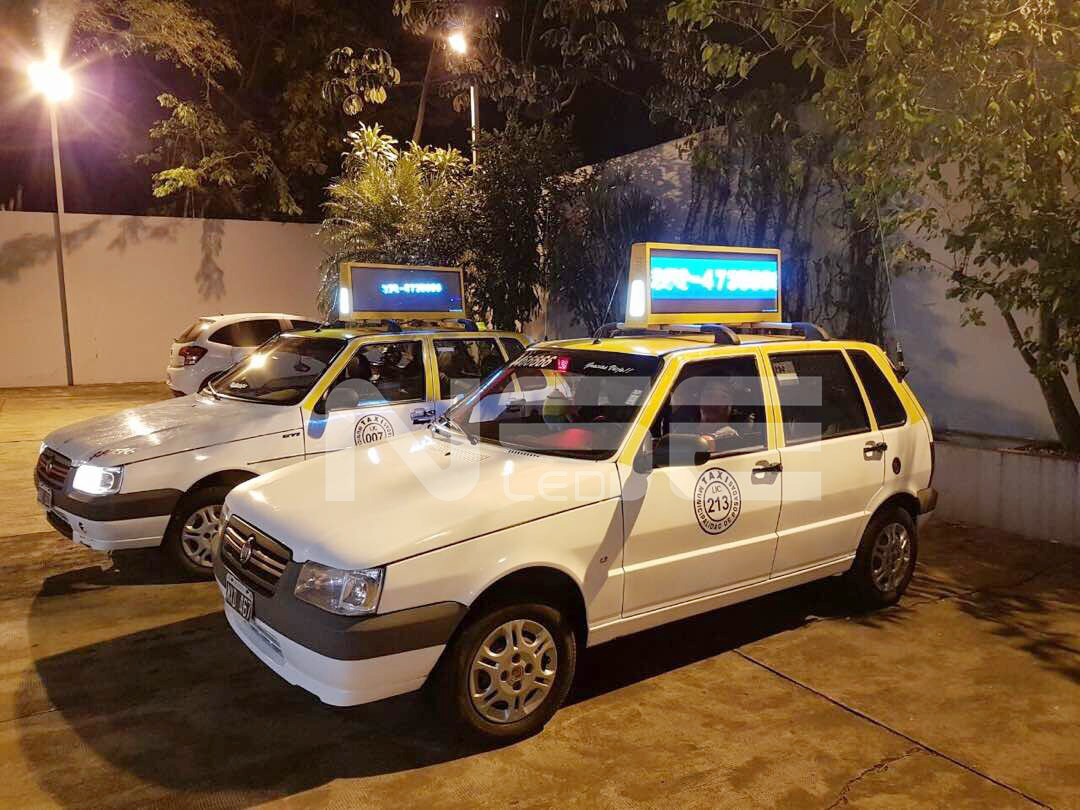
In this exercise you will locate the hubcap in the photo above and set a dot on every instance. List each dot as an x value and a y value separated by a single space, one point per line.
198 534
513 671
891 557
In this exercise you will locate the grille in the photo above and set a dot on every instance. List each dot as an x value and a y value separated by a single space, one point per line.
52 468
267 561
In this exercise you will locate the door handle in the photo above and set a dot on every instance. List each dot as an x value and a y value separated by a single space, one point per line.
768 467
873 448
420 416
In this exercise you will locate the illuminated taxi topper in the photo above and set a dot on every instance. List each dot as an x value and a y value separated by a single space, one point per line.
672 283
400 291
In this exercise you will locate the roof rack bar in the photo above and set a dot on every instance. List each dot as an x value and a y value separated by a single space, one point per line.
810 331
720 333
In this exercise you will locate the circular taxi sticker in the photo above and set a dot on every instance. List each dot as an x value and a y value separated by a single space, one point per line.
372 428
717 501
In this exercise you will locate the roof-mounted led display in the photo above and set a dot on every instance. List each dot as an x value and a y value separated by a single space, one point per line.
406 292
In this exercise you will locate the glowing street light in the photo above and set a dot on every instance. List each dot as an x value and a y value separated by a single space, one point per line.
460 45
51 80
55 85
457 42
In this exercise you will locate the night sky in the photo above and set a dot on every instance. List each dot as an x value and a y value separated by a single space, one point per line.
115 104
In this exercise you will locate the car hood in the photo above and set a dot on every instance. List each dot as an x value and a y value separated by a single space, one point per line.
172 426
413 494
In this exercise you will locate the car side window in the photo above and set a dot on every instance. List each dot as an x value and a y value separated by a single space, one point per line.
463 362
300 326
818 396
379 374
715 405
247 334
513 347
888 409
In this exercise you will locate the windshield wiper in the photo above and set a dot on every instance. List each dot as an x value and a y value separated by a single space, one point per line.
446 421
213 391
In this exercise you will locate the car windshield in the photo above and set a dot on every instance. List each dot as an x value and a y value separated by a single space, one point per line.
281 372
559 402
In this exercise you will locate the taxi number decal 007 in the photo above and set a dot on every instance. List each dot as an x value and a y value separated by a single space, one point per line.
717 501
372 428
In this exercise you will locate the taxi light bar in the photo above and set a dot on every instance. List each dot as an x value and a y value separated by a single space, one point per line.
383 292
692 284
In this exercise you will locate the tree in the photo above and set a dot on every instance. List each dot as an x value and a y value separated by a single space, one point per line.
517 188
393 205
963 114
588 253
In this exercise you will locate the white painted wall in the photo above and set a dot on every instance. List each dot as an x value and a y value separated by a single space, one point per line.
969 378
133 283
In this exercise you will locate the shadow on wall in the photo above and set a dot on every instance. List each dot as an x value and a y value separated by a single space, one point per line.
956 396
31 249
210 277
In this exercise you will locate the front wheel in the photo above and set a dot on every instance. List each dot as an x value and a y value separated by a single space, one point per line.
508 671
190 534
885 561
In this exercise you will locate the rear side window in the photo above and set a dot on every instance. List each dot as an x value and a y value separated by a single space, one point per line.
193 331
246 333
513 348
463 362
818 396
887 406
301 325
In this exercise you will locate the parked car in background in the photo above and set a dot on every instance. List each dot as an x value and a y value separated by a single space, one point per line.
215 342
158 474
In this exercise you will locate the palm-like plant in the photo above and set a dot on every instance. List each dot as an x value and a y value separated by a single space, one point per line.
392 205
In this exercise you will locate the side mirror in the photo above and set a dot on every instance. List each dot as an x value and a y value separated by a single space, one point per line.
643 460
681 450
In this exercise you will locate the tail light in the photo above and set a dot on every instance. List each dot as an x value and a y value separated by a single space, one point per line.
191 354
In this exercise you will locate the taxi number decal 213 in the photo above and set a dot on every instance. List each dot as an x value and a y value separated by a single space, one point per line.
717 501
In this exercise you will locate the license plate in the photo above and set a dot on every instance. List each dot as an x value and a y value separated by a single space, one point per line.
238 596
44 496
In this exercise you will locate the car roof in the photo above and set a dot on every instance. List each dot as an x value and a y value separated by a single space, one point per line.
350 333
660 345
247 316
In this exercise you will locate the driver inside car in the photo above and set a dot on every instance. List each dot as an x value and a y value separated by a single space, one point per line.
717 396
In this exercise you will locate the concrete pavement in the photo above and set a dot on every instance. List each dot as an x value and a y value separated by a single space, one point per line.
121 684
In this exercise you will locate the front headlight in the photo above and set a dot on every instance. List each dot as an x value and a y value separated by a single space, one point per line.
348 593
94 480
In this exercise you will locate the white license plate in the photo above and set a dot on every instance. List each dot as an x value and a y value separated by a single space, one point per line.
44 496
239 596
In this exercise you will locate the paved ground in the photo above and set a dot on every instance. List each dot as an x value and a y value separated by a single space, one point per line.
121 685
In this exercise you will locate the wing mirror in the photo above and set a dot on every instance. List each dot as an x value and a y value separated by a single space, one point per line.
681 450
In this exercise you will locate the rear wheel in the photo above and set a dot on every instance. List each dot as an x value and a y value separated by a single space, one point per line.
885 561
507 672
190 535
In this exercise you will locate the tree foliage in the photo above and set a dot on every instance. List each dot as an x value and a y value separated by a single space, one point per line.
970 107
393 205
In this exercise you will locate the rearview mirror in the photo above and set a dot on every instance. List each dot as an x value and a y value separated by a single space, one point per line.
681 450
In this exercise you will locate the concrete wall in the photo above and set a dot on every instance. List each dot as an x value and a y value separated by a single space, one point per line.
133 283
969 378
1033 496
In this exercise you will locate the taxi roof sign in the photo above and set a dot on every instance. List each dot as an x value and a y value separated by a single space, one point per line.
375 291
673 284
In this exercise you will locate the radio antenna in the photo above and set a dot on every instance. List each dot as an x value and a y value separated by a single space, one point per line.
611 301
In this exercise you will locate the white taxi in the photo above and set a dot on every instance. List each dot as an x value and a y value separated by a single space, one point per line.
590 489
158 474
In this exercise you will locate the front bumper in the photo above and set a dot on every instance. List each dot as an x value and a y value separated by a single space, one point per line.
111 535
333 681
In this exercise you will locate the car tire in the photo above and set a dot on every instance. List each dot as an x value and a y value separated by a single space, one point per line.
494 689
885 560
189 536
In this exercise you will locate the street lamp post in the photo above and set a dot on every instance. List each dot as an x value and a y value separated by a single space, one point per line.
460 45
56 86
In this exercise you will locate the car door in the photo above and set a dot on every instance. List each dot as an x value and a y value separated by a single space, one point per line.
833 459
461 363
381 391
705 524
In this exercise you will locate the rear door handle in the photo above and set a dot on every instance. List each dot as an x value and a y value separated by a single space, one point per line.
873 448
768 467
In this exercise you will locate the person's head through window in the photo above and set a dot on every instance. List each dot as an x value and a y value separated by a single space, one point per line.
718 396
